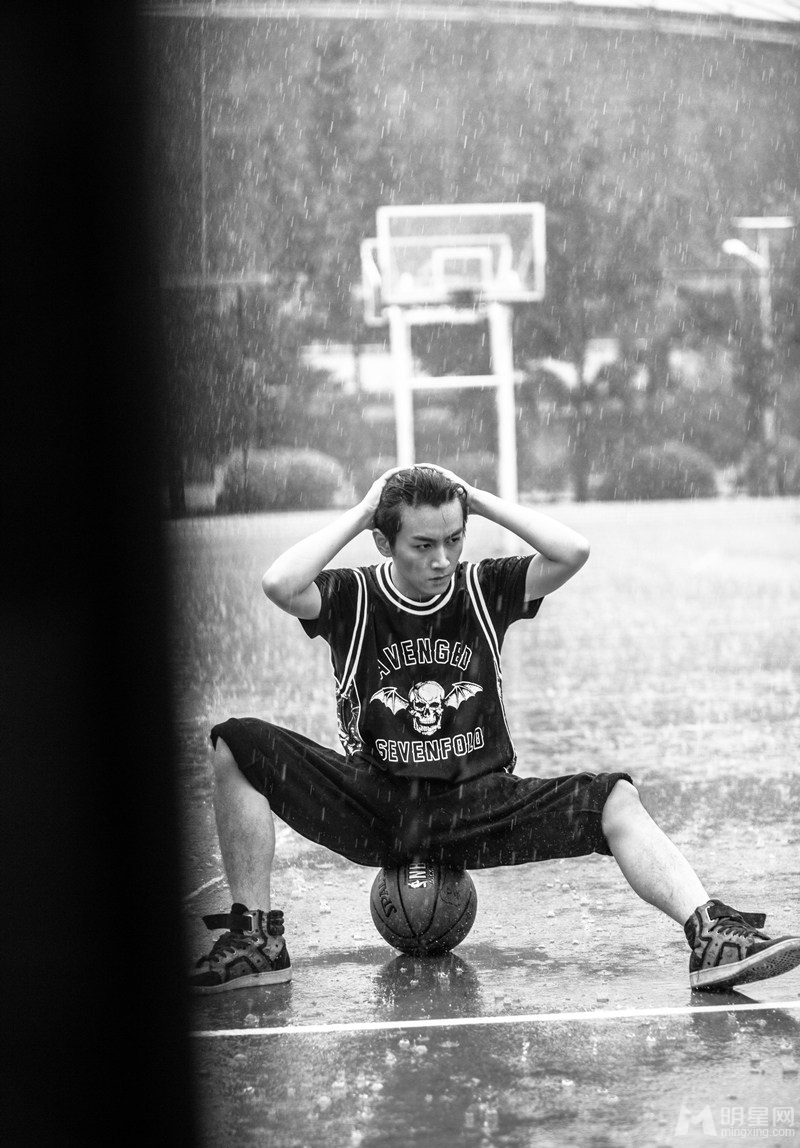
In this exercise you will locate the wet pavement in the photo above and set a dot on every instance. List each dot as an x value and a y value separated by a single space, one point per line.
367 1046
621 1082
565 1017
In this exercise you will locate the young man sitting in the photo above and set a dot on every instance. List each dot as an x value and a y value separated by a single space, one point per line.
428 763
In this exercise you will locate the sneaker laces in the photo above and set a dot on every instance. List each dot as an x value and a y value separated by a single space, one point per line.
732 923
731 927
228 943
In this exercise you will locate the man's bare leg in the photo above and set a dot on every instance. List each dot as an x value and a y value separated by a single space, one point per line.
251 952
728 946
246 832
652 865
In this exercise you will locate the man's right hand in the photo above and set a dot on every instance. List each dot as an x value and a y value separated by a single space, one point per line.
289 582
372 498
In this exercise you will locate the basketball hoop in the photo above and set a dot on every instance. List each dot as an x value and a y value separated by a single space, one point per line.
464 298
451 264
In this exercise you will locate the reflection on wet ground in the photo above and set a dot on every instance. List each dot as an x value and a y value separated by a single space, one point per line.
610 1082
672 657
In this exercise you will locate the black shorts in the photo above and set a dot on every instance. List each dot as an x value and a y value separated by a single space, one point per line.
373 818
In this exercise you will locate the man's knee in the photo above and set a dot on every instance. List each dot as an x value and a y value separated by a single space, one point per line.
228 778
622 802
224 762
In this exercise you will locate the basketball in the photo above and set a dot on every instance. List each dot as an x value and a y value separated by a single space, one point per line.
423 908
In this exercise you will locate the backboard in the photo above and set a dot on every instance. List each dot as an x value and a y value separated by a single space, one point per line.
451 254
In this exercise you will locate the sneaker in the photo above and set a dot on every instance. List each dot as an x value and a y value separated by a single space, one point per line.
728 949
251 953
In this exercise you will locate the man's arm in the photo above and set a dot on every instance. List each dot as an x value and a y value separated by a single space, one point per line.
560 551
289 582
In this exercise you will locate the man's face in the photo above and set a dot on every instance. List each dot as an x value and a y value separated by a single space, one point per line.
427 549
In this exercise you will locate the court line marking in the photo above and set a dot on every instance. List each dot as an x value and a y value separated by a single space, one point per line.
524 1018
196 892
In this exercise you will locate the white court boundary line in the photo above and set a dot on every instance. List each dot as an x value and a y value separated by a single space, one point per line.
196 892
524 1018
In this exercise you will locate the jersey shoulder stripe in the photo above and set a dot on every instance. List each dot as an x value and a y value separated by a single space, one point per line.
482 612
485 619
359 630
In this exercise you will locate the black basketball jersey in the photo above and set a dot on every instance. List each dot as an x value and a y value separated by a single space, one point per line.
418 684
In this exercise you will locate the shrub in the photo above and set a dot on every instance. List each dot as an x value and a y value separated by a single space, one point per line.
754 475
370 469
711 419
672 470
279 479
479 468
552 475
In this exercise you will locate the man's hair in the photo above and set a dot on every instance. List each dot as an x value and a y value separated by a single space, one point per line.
417 486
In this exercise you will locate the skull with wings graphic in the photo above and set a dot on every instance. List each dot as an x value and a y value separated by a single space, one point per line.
426 702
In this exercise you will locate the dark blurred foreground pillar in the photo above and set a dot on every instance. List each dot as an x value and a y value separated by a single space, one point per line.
94 1018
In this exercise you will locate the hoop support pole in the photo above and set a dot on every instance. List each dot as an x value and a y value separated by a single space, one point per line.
402 366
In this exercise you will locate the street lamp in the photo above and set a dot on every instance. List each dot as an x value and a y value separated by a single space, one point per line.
759 261
754 258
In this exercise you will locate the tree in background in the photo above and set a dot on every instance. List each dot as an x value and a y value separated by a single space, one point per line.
600 279
339 154
206 405
635 143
